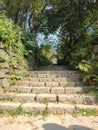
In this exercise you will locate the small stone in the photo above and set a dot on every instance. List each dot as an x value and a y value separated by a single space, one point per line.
5 83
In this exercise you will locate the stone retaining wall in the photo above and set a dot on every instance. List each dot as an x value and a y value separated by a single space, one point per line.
6 70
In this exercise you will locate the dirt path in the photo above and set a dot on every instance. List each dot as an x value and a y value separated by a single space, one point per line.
50 122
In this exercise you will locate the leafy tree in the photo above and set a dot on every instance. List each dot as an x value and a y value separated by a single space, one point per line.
44 54
31 49
26 13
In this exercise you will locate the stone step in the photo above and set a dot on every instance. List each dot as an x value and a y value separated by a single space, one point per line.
50 84
56 72
39 107
55 75
47 98
74 79
51 68
51 90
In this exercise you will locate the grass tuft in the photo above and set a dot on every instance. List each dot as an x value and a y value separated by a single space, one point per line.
86 112
15 112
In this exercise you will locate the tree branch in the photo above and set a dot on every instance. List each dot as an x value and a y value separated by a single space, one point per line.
29 20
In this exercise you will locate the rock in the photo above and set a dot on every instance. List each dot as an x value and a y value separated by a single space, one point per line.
46 98
9 105
52 84
60 108
81 106
58 90
5 83
3 53
1 45
33 107
4 65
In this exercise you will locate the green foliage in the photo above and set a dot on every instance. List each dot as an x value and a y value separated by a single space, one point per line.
86 112
2 59
11 38
44 54
15 112
1 111
90 67
42 60
10 34
31 48
78 35
92 90
36 113
18 111
22 10
13 79
85 59
46 101
6 98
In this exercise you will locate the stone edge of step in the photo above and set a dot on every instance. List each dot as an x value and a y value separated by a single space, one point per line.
51 107
48 98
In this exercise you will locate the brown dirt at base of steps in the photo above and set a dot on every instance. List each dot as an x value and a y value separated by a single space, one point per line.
50 122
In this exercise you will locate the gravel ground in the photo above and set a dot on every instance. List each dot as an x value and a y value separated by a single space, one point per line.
50 122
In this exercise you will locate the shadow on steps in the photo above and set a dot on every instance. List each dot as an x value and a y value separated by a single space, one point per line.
53 126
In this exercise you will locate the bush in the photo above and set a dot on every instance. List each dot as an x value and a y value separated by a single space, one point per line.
31 49
44 54
10 38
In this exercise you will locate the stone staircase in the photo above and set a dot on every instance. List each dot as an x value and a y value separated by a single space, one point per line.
54 89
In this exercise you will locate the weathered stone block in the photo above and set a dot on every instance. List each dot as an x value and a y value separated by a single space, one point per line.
9 105
38 90
74 79
32 74
65 75
90 99
60 108
46 79
78 83
75 75
60 79
2 75
4 71
67 84
4 65
34 79
7 96
11 89
42 75
23 83
44 97
33 107
24 97
80 106
1 45
74 72
3 53
51 75
37 84
4 83
70 98
24 89
52 84
58 90
72 90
